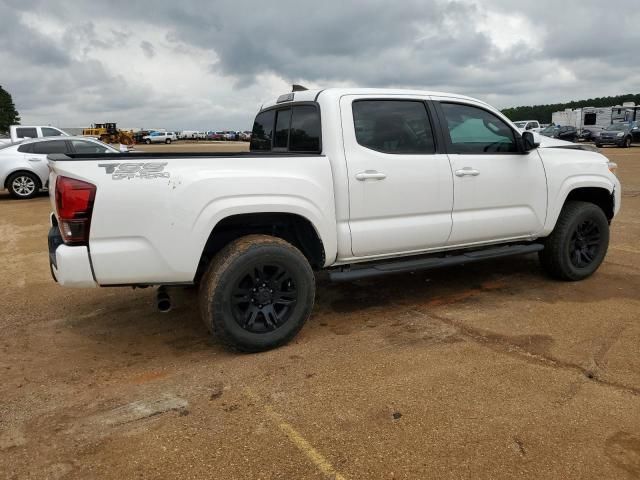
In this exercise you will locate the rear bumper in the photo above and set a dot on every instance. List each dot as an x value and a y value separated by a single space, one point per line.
70 266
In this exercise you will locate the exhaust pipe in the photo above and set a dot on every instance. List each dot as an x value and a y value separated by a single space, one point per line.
163 301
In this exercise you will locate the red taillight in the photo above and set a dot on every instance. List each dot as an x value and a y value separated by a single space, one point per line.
74 203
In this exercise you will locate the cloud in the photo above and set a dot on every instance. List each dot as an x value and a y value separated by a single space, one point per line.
147 49
209 65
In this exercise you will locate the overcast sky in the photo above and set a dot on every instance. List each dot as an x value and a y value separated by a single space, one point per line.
209 65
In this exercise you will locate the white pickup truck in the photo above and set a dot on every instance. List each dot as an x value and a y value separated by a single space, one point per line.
361 182
20 132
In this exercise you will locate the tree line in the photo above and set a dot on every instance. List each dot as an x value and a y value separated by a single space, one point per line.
8 113
542 113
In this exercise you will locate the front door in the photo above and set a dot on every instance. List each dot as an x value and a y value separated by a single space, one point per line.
400 187
499 192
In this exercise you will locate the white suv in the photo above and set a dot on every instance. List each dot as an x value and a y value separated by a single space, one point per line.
160 137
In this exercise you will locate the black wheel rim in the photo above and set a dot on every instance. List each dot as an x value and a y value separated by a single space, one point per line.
584 244
263 298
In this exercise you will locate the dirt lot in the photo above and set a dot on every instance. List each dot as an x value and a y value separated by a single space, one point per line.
484 371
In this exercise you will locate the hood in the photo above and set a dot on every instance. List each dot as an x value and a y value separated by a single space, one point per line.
549 142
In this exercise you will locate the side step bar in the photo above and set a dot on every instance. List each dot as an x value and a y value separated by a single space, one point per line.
427 263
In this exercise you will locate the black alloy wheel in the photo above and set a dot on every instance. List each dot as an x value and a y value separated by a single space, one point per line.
585 243
263 298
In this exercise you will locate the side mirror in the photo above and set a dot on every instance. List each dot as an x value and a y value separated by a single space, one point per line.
529 142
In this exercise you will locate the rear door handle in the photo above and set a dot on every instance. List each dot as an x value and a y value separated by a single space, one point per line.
467 172
35 159
370 175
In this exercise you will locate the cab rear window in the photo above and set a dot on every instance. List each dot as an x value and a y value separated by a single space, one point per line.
289 129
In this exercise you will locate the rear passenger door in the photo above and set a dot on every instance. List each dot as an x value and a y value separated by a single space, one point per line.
37 156
400 184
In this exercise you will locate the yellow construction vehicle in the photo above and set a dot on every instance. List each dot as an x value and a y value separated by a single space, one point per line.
109 133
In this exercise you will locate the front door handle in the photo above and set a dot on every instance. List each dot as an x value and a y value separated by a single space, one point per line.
34 159
467 172
370 175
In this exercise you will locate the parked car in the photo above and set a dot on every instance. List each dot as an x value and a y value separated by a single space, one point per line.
19 132
23 166
620 134
367 192
138 137
216 136
525 125
230 136
567 132
245 136
189 135
160 137
586 135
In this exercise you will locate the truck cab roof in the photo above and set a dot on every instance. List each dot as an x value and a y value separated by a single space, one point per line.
314 95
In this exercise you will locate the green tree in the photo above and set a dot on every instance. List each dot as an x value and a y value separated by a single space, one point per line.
8 113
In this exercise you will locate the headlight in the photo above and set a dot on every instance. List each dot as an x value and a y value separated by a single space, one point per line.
620 134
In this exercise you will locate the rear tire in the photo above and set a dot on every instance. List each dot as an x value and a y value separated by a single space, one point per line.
599 145
23 185
578 244
257 293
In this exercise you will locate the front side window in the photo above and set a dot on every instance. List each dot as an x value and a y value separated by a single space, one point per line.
84 146
474 130
393 126
26 132
50 132
50 147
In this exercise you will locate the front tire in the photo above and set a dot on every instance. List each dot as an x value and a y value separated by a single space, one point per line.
147 141
257 293
23 185
627 142
167 141
578 244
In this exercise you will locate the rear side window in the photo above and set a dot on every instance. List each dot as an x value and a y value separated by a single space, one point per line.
474 130
262 132
291 129
26 148
305 129
26 132
393 126
50 147
50 132
283 123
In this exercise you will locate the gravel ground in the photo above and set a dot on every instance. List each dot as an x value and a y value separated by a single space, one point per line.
485 371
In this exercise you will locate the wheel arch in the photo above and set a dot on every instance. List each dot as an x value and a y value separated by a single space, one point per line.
596 190
291 227
11 173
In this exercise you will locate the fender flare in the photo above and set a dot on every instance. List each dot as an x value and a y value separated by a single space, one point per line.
223 207
569 185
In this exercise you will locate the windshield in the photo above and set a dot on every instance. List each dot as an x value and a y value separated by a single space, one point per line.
616 127
549 129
